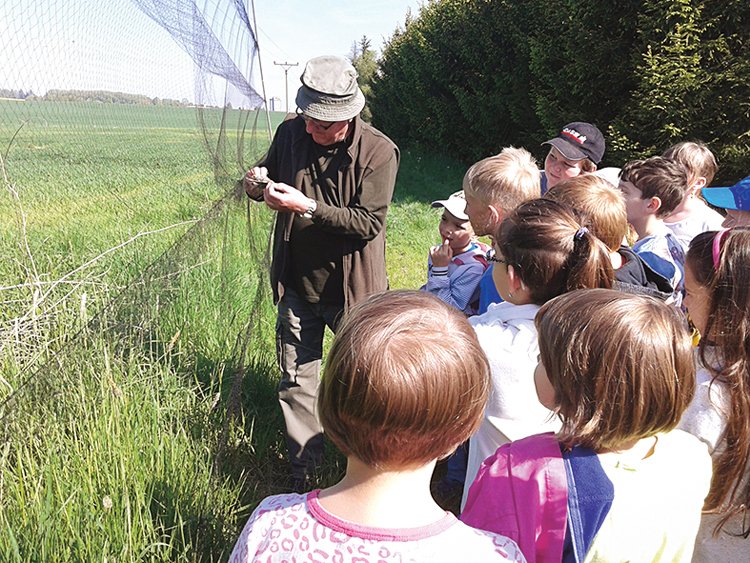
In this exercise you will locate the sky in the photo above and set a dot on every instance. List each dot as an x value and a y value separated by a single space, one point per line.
96 45
297 30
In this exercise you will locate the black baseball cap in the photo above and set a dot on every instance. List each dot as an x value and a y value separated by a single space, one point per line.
579 140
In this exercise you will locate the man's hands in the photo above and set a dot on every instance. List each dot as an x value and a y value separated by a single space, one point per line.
441 255
281 197
278 196
254 182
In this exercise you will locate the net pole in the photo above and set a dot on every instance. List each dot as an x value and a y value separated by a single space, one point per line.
260 68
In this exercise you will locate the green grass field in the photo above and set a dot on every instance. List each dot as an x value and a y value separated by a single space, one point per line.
137 372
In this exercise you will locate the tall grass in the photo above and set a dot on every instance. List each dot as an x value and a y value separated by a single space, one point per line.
81 179
120 447
138 403
412 225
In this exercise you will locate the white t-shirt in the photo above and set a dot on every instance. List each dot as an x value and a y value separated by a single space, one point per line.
296 527
508 337
706 419
702 219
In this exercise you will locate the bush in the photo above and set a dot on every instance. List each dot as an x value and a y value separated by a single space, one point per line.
467 77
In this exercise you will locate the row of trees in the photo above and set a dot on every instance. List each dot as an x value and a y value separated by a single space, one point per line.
15 94
468 77
107 97
103 96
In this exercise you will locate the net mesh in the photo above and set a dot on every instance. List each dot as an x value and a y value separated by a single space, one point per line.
136 325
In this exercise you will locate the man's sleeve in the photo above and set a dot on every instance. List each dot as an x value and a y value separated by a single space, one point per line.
270 162
364 217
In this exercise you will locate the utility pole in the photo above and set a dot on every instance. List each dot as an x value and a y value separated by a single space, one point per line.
286 66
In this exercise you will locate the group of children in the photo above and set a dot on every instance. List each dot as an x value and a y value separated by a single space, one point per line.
563 354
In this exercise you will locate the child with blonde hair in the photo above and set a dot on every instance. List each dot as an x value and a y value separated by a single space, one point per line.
717 282
692 216
494 187
405 383
542 249
617 482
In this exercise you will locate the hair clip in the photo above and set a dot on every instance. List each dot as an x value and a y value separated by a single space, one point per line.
579 233
718 239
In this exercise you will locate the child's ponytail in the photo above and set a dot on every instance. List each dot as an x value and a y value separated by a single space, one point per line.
552 250
589 264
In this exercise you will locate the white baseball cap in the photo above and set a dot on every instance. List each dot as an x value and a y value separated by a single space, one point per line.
455 204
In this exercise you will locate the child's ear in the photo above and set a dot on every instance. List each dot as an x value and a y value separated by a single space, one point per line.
515 283
654 204
700 183
495 215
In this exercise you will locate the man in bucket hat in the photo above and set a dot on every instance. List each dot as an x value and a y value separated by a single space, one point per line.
330 176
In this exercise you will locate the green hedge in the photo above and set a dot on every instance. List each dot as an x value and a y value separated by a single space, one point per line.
468 77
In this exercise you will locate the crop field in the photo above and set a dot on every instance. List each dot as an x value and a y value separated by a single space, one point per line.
138 413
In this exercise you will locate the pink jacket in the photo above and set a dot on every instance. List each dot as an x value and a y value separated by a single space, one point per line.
521 492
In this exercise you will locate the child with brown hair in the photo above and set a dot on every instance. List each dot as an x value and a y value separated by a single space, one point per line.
692 216
494 187
652 189
617 482
405 383
717 281
542 249
603 205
